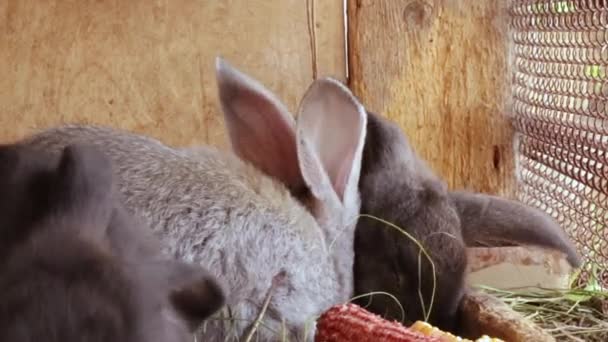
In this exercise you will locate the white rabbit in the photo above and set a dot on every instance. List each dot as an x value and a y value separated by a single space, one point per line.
287 207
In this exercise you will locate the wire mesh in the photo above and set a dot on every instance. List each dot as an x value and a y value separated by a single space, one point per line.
560 114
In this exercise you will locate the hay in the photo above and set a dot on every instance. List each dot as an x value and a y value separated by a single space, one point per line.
568 315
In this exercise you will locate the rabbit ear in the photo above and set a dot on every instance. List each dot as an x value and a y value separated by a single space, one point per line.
331 133
493 221
198 300
192 291
260 128
83 187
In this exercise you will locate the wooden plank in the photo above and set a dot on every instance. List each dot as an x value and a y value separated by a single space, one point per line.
328 38
148 66
439 69
518 268
484 314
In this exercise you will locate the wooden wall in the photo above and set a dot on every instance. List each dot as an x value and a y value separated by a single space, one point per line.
439 68
434 66
148 65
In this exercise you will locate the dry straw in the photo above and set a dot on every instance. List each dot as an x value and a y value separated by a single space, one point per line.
576 314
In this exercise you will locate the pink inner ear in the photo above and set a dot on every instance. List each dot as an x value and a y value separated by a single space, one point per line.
262 135
343 173
337 152
332 122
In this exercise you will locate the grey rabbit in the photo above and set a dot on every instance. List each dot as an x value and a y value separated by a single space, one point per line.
77 267
276 217
397 186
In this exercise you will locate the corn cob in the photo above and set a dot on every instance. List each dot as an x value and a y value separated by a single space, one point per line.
350 322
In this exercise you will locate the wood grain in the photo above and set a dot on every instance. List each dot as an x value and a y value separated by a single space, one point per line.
439 69
484 314
148 65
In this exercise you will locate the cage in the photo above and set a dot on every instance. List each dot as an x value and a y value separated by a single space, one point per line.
559 113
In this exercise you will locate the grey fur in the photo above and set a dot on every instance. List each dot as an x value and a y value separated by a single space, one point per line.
495 221
76 266
233 217
397 186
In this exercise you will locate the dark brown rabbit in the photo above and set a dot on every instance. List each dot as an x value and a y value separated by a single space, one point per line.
75 266
399 187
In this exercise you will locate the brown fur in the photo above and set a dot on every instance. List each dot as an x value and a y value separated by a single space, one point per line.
77 267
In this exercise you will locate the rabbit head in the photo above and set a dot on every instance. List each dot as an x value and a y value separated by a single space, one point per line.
317 158
76 266
398 187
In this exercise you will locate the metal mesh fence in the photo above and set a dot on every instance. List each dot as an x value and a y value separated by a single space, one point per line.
560 114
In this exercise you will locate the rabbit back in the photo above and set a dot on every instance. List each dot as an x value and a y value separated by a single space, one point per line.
219 212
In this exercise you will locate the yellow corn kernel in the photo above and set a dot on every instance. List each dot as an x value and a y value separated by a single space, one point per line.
422 327
486 338
428 330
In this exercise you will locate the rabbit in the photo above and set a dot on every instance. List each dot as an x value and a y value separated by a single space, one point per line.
397 186
76 266
274 216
